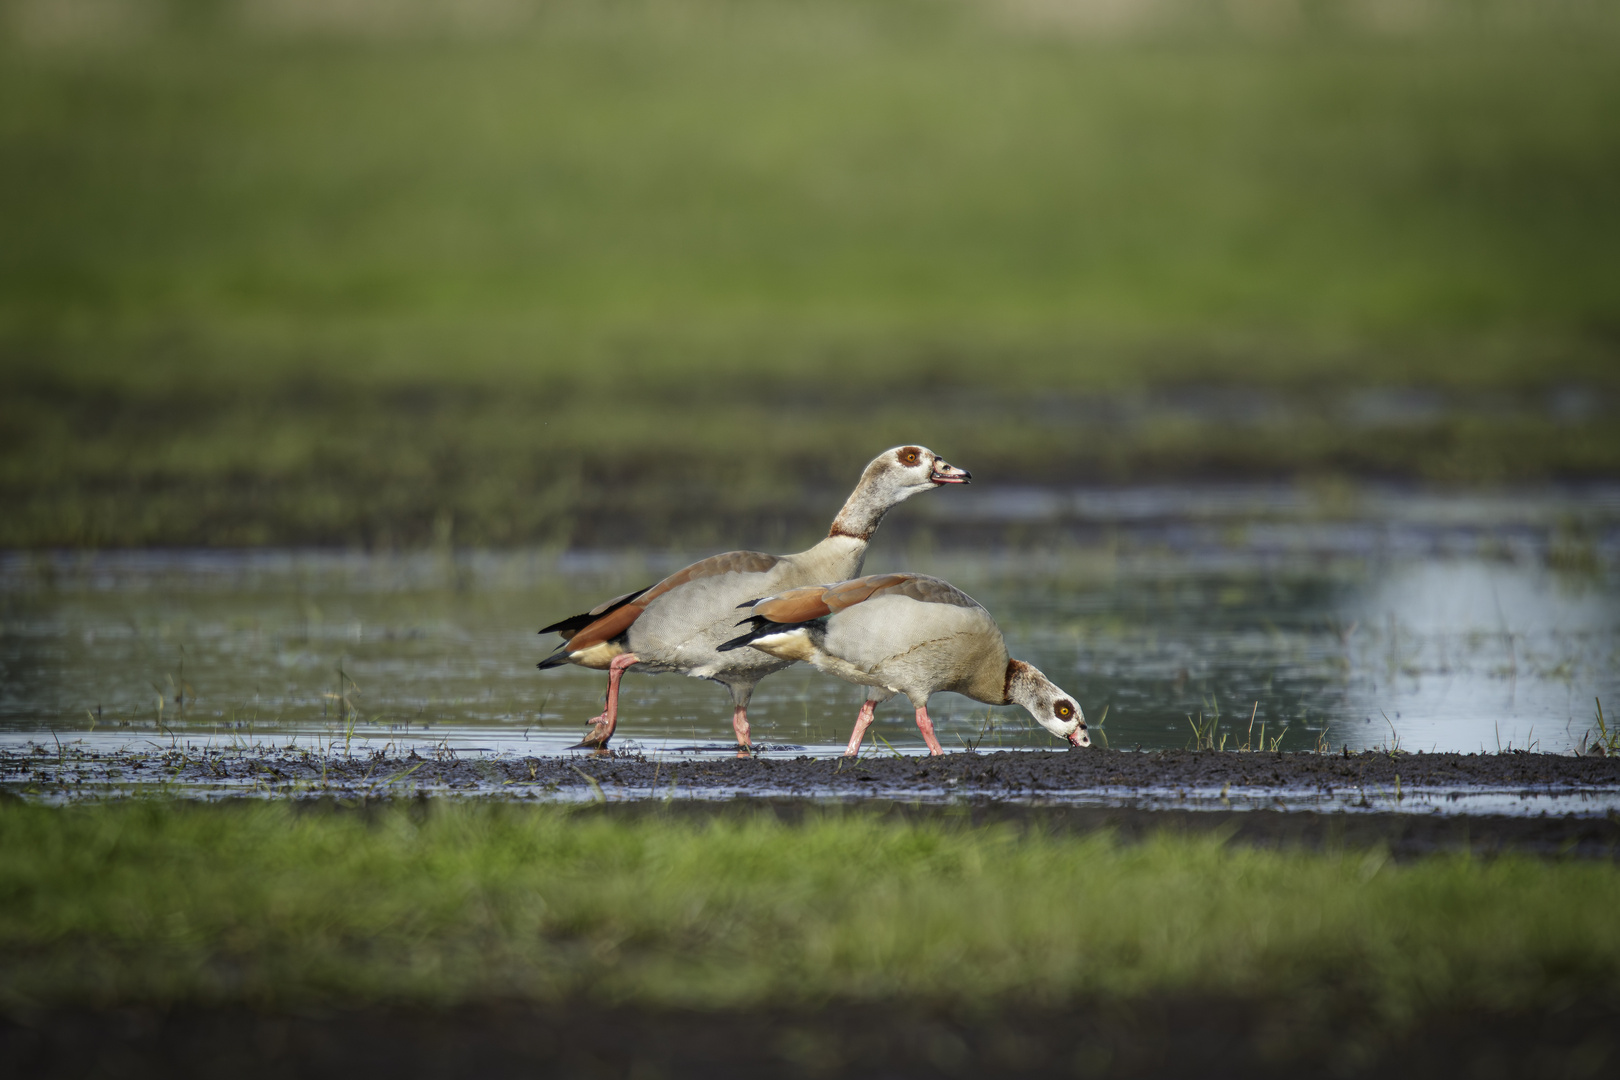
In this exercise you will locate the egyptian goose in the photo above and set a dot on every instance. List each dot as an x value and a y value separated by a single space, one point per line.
677 624
905 634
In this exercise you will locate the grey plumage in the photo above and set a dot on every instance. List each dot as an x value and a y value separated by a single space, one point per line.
907 634
679 624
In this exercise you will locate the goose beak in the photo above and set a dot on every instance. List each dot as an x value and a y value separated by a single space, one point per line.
949 474
1079 739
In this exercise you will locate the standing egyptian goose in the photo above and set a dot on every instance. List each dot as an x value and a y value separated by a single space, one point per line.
906 634
677 624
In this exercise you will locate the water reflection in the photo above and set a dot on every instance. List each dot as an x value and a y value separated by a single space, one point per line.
1455 653
1428 621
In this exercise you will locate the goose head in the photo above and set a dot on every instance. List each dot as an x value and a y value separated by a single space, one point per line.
1052 708
893 477
906 470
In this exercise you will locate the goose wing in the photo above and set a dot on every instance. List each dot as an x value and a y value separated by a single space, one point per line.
799 606
609 620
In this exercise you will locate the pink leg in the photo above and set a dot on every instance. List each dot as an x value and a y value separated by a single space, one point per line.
863 720
604 724
926 726
739 724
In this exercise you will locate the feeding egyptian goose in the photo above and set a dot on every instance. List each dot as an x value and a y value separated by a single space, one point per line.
678 623
906 634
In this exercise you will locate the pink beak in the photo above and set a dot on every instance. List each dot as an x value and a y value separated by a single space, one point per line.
949 474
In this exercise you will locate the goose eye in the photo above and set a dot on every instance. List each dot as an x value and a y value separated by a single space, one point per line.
1064 711
909 457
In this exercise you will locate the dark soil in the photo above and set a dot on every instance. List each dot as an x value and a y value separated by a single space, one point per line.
1154 1038
1022 773
1049 791
993 775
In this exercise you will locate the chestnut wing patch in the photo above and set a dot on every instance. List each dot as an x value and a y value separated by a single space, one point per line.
574 623
606 628
795 605
928 590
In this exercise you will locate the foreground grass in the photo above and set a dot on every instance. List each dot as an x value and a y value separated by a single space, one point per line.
267 905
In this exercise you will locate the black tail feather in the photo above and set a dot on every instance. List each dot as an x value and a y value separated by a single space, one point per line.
568 626
556 659
758 627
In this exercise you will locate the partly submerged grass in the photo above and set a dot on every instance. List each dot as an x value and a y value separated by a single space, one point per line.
268 905
409 467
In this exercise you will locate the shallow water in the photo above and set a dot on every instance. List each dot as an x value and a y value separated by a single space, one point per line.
1449 622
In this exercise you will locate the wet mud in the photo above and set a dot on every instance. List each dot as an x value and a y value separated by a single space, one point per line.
1023 774
1535 803
298 770
1170 1037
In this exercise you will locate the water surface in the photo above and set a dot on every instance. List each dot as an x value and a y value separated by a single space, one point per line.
1444 622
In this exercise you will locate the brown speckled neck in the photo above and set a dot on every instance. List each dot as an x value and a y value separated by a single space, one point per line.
1015 669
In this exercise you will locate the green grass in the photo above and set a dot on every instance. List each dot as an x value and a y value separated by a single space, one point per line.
264 904
280 276
733 186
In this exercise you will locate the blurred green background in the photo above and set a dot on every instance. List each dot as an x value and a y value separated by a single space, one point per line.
385 272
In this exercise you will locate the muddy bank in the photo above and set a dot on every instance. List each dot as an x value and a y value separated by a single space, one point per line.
1020 773
1154 1038
1532 803
1166 775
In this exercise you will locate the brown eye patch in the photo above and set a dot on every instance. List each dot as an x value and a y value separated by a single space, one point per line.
1064 710
910 455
